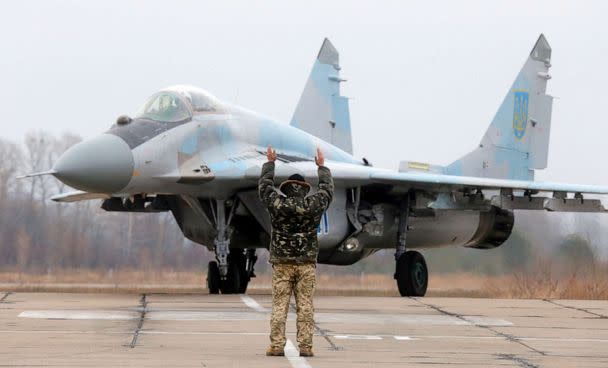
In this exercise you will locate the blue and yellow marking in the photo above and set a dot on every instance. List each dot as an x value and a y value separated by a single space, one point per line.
520 113
323 227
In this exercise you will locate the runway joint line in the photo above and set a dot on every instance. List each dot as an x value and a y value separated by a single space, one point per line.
597 315
2 300
321 332
140 323
519 361
514 358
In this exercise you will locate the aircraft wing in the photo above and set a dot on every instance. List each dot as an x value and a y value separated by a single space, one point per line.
509 194
361 175
439 181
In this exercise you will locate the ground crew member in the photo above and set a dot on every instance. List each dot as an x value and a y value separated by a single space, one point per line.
293 248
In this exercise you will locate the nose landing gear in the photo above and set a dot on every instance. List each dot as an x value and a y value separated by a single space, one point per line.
233 270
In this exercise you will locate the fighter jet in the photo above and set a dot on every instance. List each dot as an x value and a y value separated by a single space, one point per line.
187 152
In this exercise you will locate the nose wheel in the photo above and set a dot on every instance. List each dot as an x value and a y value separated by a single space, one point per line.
213 278
239 273
232 283
412 274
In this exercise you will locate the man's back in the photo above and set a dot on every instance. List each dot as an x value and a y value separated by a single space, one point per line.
294 216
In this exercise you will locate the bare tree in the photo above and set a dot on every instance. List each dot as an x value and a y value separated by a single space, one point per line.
11 160
38 147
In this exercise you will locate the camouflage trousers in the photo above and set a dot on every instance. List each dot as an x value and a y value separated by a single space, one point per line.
300 280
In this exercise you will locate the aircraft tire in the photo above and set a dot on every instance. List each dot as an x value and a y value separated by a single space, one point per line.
412 274
232 283
245 277
213 278
238 258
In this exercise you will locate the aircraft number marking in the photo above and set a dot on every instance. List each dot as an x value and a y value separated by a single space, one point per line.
323 227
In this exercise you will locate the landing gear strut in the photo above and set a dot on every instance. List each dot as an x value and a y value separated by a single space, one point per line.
222 238
411 271
231 273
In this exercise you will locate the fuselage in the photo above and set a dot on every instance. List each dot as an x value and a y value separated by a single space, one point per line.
187 154
178 131
226 144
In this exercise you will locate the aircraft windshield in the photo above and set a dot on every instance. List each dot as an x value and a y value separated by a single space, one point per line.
199 99
166 107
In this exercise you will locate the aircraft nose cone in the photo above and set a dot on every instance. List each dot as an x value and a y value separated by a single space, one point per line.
103 164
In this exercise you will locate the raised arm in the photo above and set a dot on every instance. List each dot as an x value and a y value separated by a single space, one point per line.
325 190
266 183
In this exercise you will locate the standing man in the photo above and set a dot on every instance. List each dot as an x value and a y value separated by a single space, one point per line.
293 248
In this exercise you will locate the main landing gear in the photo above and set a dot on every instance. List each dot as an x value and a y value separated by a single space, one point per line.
411 272
233 268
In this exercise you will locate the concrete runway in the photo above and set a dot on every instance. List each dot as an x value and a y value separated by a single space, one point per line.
86 330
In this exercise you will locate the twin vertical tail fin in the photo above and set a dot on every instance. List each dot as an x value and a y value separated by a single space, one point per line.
517 141
321 110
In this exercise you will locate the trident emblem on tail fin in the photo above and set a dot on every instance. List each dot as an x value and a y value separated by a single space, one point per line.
520 114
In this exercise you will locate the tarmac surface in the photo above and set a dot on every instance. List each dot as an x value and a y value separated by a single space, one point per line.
86 330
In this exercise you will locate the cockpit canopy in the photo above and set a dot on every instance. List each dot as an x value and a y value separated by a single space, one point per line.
178 103
166 107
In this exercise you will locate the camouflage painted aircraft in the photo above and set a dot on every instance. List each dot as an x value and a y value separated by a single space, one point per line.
187 152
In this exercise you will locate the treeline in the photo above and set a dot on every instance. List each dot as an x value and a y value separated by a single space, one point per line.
38 235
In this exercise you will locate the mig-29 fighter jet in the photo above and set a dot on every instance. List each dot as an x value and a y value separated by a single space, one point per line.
187 152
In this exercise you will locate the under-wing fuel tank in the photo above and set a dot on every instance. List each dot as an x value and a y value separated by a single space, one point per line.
433 229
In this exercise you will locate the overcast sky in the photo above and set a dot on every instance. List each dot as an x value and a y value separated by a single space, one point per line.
425 77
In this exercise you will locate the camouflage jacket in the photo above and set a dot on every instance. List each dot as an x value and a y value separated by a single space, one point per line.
294 216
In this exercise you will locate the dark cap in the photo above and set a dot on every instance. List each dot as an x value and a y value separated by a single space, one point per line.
296 177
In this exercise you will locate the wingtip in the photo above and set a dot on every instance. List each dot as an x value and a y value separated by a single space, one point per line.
541 50
328 53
